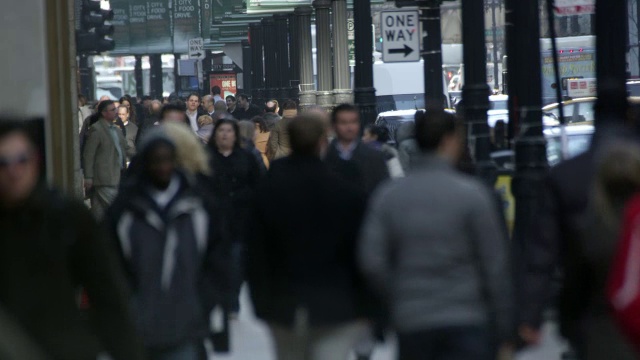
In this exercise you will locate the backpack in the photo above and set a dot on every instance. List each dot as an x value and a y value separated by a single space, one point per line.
623 285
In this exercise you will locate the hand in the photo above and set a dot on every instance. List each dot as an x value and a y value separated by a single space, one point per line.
530 335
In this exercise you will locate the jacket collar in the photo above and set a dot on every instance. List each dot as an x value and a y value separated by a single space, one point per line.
433 161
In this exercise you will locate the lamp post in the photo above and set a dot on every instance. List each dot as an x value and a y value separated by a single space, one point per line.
364 92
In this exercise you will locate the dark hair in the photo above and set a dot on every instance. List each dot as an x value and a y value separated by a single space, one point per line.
432 127
193 94
243 97
132 107
342 108
216 90
305 133
219 123
289 105
271 109
262 125
174 106
233 98
146 97
101 106
381 132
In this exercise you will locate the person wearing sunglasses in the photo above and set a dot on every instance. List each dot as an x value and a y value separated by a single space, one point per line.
50 247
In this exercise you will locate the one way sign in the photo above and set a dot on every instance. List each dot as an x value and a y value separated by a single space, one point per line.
196 48
400 37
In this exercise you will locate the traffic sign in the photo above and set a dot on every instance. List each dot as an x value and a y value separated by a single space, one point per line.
196 48
400 36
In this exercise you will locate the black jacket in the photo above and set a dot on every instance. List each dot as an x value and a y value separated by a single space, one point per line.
303 254
366 169
50 248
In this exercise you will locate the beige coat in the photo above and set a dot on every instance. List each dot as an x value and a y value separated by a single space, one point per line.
278 145
100 157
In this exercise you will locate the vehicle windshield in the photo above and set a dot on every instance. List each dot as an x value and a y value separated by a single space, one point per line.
576 145
498 105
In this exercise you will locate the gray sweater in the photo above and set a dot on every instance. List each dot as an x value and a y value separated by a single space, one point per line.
432 244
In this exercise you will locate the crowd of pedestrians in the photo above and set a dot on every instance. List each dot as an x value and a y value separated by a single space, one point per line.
340 237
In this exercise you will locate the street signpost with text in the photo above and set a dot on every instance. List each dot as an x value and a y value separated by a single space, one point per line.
400 36
196 50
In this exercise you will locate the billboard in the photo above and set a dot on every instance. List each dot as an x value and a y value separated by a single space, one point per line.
227 81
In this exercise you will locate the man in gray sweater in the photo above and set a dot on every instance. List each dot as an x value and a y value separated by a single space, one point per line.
432 244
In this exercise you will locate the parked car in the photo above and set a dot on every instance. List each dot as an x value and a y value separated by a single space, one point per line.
579 110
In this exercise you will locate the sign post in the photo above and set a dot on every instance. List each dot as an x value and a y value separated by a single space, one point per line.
401 38
196 48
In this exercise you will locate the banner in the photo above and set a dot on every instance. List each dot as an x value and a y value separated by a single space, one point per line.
186 24
137 27
158 27
227 81
120 23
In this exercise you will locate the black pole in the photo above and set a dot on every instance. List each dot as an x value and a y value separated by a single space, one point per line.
270 58
494 31
247 64
86 78
611 46
176 76
476 91
556 65
137 74
257 62
432 53
155 63
364 92
638 32
294 57
282 48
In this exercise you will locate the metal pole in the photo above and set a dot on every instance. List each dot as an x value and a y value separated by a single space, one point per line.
556 65
137 74
270 59
324 53
494 28
307 86
432 53
257 62
294 57
476 91
341 73
282 51
247 64
155 63
364 92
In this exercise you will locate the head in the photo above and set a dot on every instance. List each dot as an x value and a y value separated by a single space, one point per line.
205 120
107 110
272 107
193 101
159 160
125 101
220 106
345 120
375 133
207 103
174 112
231 102
191 156
146 101
216 90
156 107
260 124
307 135
104 98
123 113
243 101
439 133
226 135
19 164
247 131
82 100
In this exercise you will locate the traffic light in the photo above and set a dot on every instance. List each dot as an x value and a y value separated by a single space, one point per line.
94 33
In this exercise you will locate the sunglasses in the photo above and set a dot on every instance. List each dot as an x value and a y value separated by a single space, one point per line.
20 159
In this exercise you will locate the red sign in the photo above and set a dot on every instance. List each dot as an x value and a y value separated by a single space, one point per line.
575 7
226 81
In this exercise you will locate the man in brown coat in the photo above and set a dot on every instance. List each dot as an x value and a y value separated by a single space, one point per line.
278 145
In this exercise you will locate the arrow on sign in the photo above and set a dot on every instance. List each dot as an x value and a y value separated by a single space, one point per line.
407 50
198 54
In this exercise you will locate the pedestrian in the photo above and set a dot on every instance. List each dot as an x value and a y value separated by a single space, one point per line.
174 112
231 105
235 177
104 157
84 110
245 110
50 247
205 128
271 113
347 156
377 137
220 111
408 149
150 118
193 110
247 142
191 156
302 274
261 138
131 129
129 103
216 94
172 246
278 145
445 275
208 105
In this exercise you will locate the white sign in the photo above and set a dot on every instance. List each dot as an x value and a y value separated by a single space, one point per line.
575 7
400 36
581 88
196 48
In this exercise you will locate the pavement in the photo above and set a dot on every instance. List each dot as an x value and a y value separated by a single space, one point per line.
250 340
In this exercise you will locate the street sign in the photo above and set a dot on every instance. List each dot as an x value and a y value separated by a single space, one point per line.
575 7
351 41
196 50
400 36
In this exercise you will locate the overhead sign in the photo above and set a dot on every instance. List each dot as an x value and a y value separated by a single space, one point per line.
575 7
581 88
196 48
400 36
186 24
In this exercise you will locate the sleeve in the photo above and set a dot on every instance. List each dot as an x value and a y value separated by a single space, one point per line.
492 252
130 150
272 144
95 263
373 247
89 152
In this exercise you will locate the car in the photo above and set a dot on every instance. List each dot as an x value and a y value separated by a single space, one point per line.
393 119
579 110
498 109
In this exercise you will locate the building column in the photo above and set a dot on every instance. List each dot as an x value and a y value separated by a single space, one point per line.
364 92
282 52
323 53
341 74
270 58
294 57
247 64
137 74
155 72
257 62
307 86
432 53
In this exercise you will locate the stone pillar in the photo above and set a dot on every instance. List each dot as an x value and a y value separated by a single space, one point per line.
270 59
294 57
307 86
323 53
341 75
282 52
257 60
